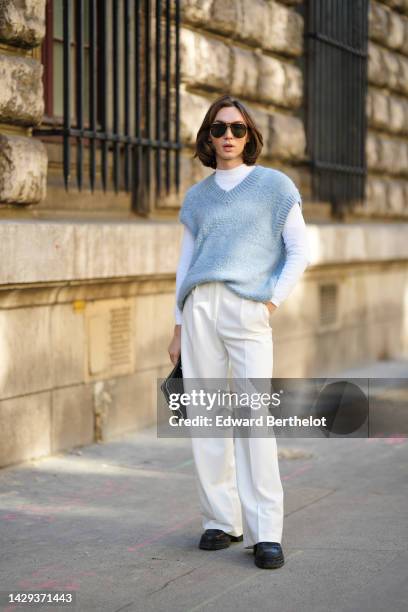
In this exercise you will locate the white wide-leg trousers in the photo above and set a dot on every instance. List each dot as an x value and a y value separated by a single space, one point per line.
239 485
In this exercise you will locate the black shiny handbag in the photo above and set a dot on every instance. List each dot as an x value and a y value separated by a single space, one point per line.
173 383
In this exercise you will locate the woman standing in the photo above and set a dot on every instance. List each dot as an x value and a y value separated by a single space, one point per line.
244 248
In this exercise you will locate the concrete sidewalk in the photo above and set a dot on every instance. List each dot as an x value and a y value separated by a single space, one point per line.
119 523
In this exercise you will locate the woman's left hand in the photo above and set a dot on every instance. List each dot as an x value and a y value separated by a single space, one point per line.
271 306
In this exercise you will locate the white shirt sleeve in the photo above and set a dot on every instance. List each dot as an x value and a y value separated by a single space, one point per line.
186 253
294 235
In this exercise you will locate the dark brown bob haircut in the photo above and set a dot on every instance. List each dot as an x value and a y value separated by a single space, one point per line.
204 150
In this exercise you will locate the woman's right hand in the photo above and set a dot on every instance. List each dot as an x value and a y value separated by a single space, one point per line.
174 347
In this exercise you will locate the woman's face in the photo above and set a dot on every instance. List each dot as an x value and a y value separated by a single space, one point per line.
231 155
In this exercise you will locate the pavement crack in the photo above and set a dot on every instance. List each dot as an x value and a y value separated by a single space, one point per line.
314 501
125 606
173 580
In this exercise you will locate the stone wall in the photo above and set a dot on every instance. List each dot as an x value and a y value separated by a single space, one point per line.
62 282
50 398
252 50
387 110
255 50
62 386
23 160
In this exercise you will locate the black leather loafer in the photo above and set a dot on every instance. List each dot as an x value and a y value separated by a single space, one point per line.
215 539
268 555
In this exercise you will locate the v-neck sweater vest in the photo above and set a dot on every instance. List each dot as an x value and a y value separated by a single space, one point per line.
238 233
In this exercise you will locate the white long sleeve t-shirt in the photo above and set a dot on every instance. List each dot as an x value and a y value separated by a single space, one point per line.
294 235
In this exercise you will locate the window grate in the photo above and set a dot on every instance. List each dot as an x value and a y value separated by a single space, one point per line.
120 64
337 38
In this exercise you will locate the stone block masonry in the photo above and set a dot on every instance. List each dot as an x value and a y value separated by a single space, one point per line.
23 160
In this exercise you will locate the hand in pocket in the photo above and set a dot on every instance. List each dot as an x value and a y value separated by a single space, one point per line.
270 306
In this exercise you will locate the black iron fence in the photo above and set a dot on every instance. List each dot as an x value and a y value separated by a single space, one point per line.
337 35
120 65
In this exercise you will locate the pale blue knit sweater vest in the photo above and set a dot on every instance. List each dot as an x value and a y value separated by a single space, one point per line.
238 233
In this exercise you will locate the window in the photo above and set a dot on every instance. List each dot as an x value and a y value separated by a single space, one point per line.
337 34
53 56
111 87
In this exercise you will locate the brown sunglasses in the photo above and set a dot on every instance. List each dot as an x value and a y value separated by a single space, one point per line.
219 128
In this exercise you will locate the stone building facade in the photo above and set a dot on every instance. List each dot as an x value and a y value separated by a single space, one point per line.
87 287
387 110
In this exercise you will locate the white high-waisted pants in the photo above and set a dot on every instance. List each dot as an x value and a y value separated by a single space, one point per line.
239 485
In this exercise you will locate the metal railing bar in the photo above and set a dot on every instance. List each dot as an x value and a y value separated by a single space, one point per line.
79 56
126 85
67 91
92 91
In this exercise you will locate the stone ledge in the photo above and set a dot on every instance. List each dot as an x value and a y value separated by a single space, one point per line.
364 242
46 251
55 250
